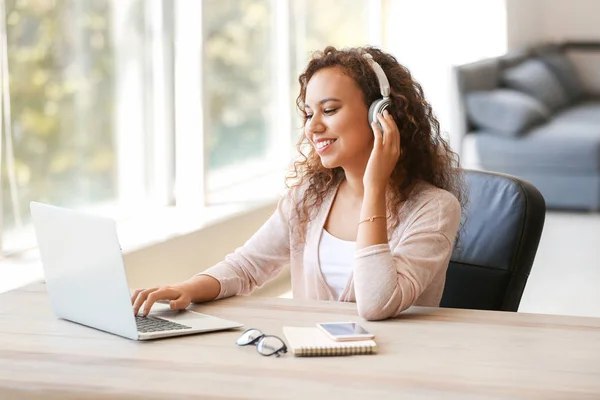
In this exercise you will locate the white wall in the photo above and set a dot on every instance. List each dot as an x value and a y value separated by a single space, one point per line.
571 19
534 21
524 21
430 36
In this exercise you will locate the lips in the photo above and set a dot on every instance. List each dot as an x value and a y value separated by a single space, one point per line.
323 145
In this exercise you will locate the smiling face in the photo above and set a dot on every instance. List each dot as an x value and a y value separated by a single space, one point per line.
336 120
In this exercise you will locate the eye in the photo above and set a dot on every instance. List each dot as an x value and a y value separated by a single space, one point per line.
330 111
307 117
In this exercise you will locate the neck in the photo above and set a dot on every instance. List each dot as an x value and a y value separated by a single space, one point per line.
354 182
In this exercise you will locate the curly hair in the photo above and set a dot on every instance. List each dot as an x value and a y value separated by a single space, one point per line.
425 154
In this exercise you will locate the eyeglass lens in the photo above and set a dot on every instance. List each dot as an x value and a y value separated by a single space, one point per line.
250 336
269 345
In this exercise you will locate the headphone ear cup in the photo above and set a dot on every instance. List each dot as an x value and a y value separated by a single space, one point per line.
377 107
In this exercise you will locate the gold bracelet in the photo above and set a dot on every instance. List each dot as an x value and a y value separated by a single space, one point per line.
371 219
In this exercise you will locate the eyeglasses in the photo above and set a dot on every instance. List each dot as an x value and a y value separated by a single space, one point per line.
266 345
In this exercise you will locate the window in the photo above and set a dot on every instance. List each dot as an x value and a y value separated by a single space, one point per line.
239 49
82 129
314 21
121 105
61 145
312 30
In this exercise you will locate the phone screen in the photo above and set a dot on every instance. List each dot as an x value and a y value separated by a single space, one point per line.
344 329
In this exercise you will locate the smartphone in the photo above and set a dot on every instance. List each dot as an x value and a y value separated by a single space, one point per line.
341 331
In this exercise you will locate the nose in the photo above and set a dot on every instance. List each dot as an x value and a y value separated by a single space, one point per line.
314 124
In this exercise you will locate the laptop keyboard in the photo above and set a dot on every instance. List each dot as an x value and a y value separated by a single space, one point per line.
155 324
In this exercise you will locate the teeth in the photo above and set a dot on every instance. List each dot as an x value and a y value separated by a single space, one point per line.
324 143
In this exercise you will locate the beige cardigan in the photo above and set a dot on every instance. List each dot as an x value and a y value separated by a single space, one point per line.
387 278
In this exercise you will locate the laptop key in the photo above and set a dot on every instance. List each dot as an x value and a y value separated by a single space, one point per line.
155 324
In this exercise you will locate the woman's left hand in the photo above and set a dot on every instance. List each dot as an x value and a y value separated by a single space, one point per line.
385 153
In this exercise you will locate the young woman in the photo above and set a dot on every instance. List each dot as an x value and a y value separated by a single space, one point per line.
372 210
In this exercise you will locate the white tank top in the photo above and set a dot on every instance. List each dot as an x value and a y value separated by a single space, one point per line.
336 257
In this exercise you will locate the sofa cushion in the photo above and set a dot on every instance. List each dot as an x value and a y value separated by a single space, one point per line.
505 111
561 145
584 113
534 78
565 71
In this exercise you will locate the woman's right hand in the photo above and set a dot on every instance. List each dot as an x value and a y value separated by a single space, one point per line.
385 154
178 298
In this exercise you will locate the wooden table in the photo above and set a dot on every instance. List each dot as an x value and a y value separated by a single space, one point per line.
427 353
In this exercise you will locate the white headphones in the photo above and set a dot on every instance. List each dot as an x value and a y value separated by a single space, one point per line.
384 88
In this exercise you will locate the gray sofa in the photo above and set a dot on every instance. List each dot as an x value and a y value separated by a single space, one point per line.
530 114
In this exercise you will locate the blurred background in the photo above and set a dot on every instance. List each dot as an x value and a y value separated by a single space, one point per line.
177 117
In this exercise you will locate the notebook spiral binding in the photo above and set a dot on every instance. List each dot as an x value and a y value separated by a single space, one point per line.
336 351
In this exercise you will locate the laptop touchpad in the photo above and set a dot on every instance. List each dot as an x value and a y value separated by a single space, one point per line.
177 315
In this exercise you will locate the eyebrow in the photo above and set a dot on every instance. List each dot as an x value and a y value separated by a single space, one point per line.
325 100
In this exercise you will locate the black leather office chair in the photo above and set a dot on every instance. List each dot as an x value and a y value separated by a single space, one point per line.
489 268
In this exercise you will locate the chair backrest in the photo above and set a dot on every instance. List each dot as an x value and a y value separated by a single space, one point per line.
503 224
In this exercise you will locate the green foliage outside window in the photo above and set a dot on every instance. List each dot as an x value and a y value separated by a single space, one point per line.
60 58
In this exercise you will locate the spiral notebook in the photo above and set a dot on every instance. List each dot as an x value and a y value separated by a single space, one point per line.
311 342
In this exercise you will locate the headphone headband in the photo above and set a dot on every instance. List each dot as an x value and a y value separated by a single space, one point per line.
384 84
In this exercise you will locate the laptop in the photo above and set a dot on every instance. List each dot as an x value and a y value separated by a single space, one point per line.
86 281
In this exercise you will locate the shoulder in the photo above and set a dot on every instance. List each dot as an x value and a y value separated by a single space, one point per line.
425 194
433 206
